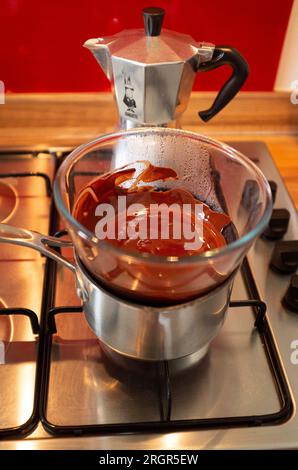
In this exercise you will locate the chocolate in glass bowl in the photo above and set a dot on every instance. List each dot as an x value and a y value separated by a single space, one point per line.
137 182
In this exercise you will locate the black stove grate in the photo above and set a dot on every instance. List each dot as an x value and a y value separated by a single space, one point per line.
27 427
164 388
30 174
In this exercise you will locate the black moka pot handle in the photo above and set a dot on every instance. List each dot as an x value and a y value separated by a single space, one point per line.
225 55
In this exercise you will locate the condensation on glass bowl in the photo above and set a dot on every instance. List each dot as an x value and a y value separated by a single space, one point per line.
192 160
6 328
8 202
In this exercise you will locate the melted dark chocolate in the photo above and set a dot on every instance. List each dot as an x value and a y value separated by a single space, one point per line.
107 189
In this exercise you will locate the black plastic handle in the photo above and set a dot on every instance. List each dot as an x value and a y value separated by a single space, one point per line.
153 19
225 55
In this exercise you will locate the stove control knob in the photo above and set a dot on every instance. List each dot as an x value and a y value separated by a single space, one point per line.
273 187
290 299
285 257
278 224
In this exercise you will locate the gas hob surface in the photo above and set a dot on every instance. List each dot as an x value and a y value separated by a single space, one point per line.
61 390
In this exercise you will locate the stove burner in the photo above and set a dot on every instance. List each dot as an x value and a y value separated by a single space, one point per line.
8 201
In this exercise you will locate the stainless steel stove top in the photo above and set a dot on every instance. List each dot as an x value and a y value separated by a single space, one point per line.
63 391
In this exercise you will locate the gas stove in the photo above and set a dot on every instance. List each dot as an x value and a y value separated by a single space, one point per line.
60 388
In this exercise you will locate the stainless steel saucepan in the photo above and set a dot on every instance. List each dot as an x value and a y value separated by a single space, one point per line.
143 332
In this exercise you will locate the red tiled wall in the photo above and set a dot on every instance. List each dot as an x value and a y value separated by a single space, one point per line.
41 40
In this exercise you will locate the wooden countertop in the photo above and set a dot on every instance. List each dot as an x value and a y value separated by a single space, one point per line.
43 120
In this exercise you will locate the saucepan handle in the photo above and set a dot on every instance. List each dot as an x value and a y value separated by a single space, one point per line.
37 241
